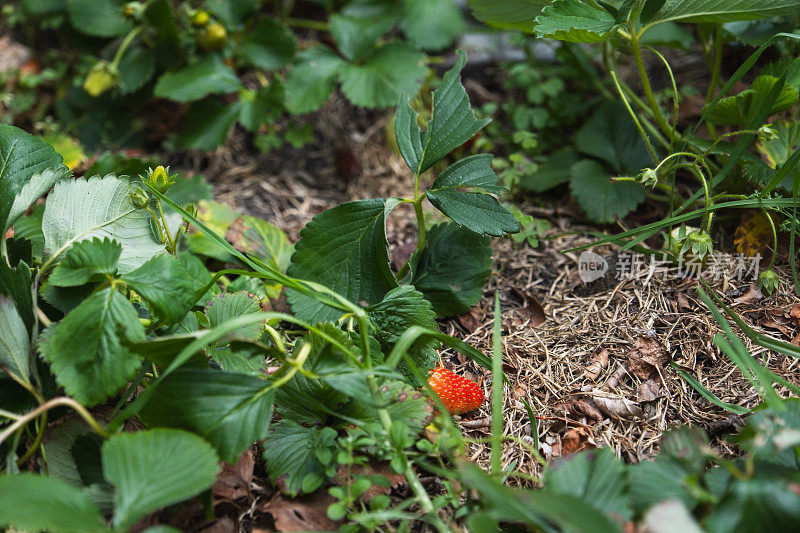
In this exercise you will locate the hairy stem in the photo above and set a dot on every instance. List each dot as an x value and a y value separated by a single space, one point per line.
648 90
55 402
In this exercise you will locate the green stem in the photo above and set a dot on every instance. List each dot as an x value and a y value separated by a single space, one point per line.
717 66
171 244
37 441
4 250
774 239
648 90
124 46
55 402
420 226
634 117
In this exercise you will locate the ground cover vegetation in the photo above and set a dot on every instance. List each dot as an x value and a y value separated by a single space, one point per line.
145 356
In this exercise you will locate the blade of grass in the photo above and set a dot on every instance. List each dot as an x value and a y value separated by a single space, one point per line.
497 390
707 394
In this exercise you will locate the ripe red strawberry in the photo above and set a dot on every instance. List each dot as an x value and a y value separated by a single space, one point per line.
458 394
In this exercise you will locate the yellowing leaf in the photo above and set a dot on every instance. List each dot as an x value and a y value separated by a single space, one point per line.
68 148
754 233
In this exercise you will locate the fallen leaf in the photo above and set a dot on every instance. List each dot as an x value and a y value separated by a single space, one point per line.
754 233
532 309
599 362
579 408
795 313
305 513
779 325
683 303
646 356
472 319
575 440
649 390
615 405
233 481
752 295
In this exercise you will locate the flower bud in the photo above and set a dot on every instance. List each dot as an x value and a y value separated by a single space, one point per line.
159 179
648 177
768 281
139 198
767 133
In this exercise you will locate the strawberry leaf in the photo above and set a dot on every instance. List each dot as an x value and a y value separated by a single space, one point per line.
87 261
452 269
452 123
207 76
603 200
477 211
312 79
289 453
231 411
394 69
87 350
165 285
345 249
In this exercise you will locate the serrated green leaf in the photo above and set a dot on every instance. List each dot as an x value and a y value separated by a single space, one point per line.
508 14
610 135
394 69
603 200
28 168
207 76
165 285
208 124
240 361
432 24
649 10
233 13
479 212
199 275
81 209
740 109
269 46
15 342
553 172
718 11
289 453
85 450
355 36
266 241
156 468
99 18
655 481
86 261
231 411
225 306
29 227
402 308
452 123
597 477
574 21
37 503
136 68
307 401
312 79
16 284
344 248
87 350
452 268
402 401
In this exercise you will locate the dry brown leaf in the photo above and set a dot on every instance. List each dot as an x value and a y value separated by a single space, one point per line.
649 390
646 356
575 440
779 325
615 405
305 513
233 481
579 408
752 295
472 319
614 379
683 303
754 233
599 362
532 309
795 313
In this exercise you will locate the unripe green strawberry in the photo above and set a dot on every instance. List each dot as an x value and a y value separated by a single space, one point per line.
458 394
212 37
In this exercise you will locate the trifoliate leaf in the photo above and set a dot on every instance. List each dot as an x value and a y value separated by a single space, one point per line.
452 123
289 454
574 21
477 211
603 200
87 350
345 249
610 135
452 268
165 285
86 261
231 411
394 69
355 36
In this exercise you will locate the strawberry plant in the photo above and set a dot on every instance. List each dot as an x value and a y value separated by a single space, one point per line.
632 147
220 62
